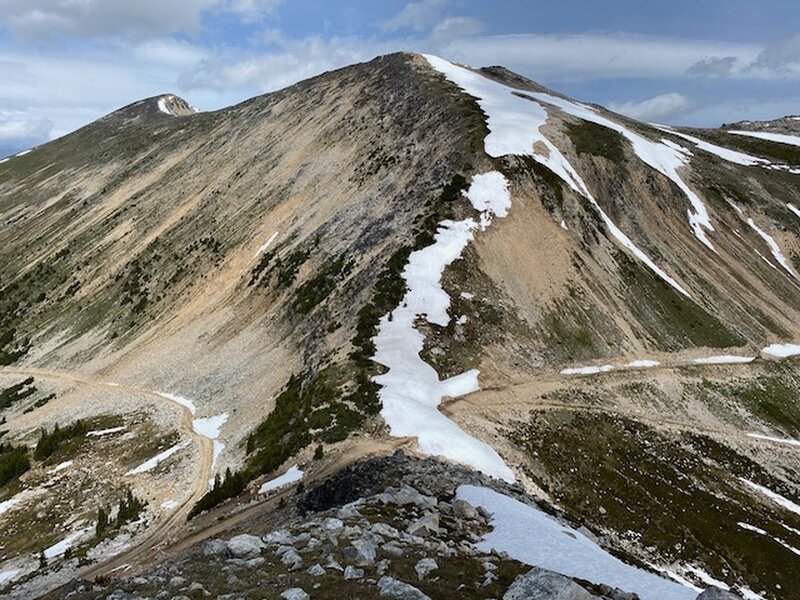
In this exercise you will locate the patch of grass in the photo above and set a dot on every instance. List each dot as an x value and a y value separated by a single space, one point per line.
591 138
671 320
315 290
680 492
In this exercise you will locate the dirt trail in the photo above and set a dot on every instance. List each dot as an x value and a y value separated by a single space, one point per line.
169 525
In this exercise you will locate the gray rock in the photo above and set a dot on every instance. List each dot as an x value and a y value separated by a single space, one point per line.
351 572
245 546
333 564
177 582
331 524
393 549
316 570
385 530
539 584
362 552
348 511
715 593
465 510
485 514
292 559
424 567
389 587
196 587
382 566
425 525
295 594
215 547
281 536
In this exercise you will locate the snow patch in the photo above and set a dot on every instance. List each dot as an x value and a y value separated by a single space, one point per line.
514 128
9 574
61 467
740 158
177 399
793 208
467 295
723 359
152 463
774 248
61 547
292 474
759 436
775 497
591 370
101 432
706 578
643 363
529 535
162 105
266 244
781 138
782 350
752 528
169 504
411 390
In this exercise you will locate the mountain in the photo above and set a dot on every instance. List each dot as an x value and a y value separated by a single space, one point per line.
580 315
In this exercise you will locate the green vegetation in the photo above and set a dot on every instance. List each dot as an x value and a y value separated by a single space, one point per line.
671 320
14 462
337 400
130 507
15 393
680 491
314 291
49 443
591 138
773 150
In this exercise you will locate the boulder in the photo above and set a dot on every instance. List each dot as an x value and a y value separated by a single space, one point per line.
295 594
362 552
425 525
316 571
245 546
465 510
424 567
389 587
351 572
292 559
215 547
539 584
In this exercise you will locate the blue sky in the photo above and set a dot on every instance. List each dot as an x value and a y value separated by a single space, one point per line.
64 63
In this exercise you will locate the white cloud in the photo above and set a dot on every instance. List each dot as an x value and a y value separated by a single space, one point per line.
126 18
781 57
168 51
658 108
419 15
453 27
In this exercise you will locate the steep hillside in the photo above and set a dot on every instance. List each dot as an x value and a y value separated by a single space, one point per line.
407 252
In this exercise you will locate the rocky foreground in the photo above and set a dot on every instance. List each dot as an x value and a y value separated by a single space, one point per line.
384 528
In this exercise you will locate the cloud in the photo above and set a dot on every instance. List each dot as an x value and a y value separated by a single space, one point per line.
713 66
126 18
420 15
453 27
594 55
19 132
658 108
781 57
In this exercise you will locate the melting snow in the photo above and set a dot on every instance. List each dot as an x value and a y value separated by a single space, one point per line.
792 140
292 474
467 295
157 459
266 244
411 390
514 124
778 540
10 574
169 504
99 432
643 363
24 152
65 544
782 350
7 505
61 466
706 578
777 498
534 538
210 427
774 439
162 105
774 248
740 158
724 359
793 208
185 402
752 528
587 370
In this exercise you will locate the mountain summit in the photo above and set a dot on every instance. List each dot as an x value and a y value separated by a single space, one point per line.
405 328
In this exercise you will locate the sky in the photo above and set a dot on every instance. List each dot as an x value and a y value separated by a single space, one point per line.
64 63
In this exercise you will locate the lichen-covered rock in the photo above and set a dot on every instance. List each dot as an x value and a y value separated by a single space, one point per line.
424 567
389 587
715 593
245 546
540 584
